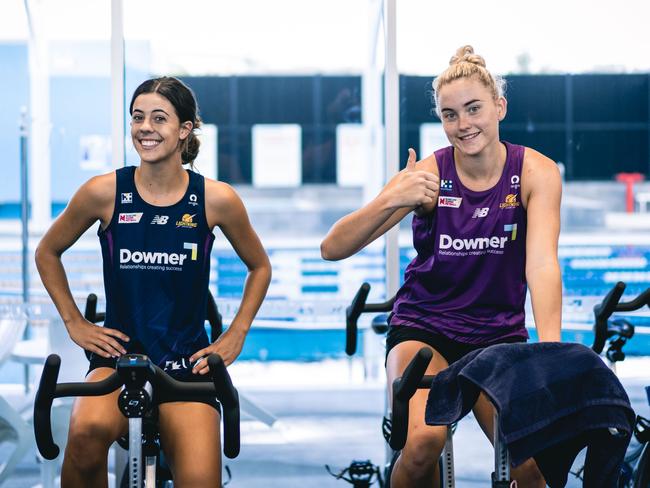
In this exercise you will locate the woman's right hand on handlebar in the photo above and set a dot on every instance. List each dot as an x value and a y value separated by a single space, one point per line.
412 187
97 339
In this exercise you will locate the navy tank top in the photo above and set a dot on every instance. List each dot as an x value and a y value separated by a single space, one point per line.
468 279
156 272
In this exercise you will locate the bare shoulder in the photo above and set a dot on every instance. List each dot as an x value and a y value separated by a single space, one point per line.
101 187
97 194
428 164
536 165
218 193
222 203
540 174
94 200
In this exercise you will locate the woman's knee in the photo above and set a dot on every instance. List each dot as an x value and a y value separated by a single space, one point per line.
88 443
196 476
423 448
528 475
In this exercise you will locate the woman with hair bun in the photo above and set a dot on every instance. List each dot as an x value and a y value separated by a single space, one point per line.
156 234
486 228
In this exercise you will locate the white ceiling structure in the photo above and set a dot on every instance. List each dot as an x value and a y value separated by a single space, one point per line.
293 36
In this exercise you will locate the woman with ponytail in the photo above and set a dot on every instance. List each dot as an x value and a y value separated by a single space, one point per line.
156 234
486 228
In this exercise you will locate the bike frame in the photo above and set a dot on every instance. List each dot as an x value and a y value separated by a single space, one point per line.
138 377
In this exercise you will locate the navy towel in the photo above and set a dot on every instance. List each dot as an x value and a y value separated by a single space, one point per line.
553 399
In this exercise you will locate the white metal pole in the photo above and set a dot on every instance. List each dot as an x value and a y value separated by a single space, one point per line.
39 112
24 201
391 135
371 99
117 84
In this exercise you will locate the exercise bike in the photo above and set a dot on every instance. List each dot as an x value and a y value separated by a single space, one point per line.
395 421
610 336
139 378
613 333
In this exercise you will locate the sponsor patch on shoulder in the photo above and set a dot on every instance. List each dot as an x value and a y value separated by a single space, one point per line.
453 202
129 218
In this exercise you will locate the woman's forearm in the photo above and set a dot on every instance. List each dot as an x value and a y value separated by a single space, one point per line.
53 276
359 228
545 284
255 287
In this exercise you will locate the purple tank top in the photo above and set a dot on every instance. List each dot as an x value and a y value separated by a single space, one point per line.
468 279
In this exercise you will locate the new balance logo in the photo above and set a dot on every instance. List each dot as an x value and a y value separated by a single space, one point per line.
480 212
160 219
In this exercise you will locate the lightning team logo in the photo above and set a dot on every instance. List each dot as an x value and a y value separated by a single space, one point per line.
186 221
510 201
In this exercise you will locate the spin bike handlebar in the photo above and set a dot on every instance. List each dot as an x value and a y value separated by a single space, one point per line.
404 388
221 387
355 309
604 328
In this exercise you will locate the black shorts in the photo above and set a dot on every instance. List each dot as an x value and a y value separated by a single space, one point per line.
451 350
97 361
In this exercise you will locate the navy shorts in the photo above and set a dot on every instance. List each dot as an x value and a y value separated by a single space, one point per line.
97 361
451 350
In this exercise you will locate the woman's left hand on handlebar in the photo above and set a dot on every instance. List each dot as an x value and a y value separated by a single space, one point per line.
228 346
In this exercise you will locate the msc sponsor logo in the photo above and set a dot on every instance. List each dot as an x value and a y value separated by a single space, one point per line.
186 221
127 197
453 202
479 213
129 218
446 185
510 201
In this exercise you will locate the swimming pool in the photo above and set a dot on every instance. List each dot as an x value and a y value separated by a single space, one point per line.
313 292
303 315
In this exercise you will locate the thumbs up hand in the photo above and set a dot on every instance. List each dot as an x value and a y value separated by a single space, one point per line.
412 187
410 162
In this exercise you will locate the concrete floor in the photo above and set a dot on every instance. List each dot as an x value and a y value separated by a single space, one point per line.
328 414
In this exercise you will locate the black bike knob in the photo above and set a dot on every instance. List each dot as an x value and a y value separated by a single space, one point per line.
134 403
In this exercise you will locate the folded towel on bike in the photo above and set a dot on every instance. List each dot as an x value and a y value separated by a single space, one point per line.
553 399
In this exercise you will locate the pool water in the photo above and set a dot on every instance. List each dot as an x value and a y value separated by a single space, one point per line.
303 317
